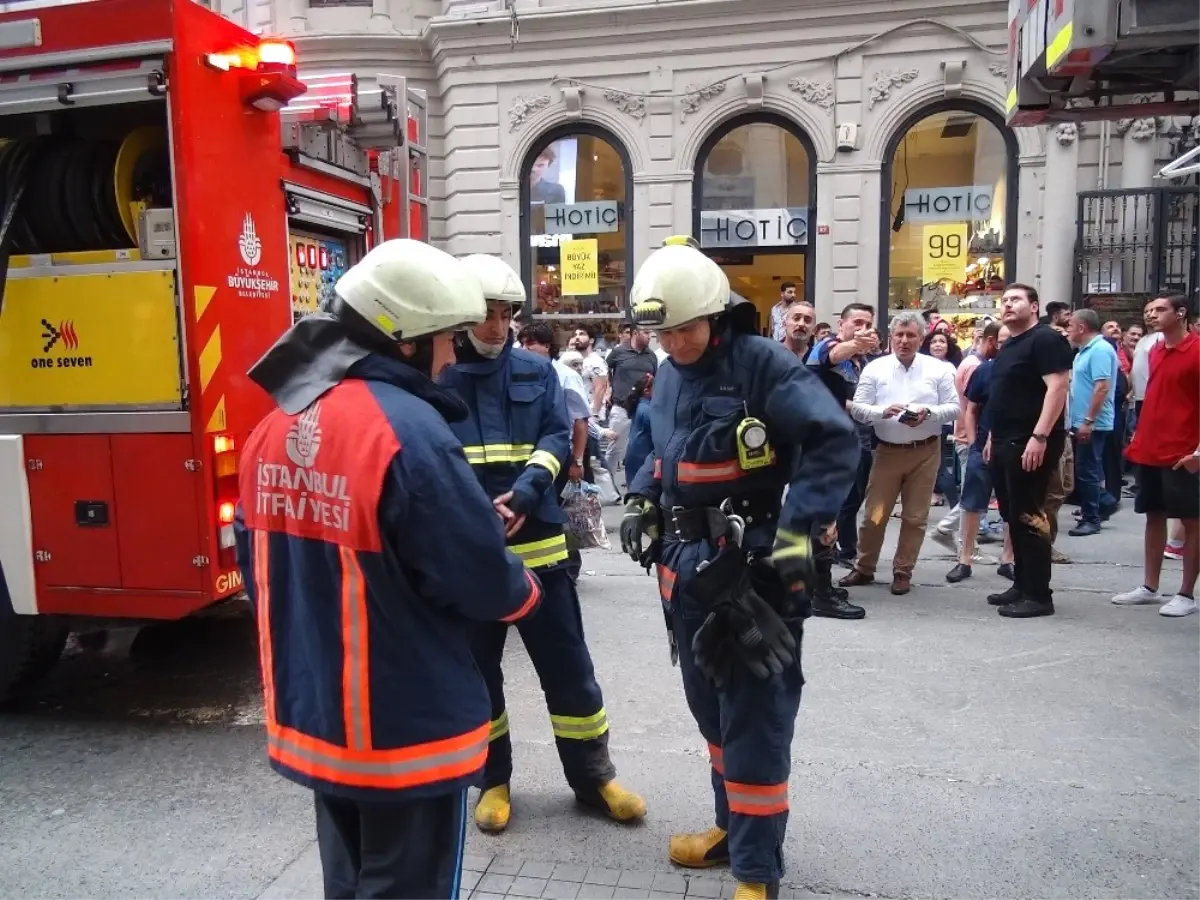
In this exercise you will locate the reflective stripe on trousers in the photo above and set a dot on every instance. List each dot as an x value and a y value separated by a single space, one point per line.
357 764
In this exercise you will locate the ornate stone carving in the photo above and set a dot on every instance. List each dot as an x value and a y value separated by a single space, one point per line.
999 69
880 89
1066 133
818 93
629 104
696 97
1142 129
523 107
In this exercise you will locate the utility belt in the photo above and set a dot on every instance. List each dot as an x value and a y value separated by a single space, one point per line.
700 523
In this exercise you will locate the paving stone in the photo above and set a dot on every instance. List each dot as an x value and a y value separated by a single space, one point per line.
505 865
470 879
601 875
705 887
564 872
596 892
494 883
527 887
484 895
476 862
533 869
631 879
631 893
561 890
666 883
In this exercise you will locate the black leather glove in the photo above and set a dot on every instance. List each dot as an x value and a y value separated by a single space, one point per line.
641 519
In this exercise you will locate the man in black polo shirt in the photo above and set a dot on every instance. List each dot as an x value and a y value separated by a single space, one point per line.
1029 391
628 363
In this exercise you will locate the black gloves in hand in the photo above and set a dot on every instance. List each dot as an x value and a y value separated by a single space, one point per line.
739 625
641 518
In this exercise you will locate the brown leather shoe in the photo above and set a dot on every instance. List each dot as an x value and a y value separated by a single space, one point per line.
855 579
901 583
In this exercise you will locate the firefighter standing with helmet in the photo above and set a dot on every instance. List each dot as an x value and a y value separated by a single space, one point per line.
734 420
365 578
517 438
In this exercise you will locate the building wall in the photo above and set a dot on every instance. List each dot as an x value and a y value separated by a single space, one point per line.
662 76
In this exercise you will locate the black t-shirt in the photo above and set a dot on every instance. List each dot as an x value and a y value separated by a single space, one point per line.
979 389
1017 389
626 367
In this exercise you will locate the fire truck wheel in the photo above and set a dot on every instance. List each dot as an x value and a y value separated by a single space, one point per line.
29 648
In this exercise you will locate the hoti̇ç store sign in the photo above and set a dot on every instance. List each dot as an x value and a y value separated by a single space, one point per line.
949 204
784 227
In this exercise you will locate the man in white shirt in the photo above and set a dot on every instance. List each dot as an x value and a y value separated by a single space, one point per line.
906 397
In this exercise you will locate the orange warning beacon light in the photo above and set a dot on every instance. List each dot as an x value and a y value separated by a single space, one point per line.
267 73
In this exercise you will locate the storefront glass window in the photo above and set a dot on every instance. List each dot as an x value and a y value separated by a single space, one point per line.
949 234
753 198
578 234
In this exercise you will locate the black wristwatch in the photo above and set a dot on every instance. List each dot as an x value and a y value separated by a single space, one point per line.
1040 438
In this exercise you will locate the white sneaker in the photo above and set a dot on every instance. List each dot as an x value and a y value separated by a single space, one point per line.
1139 596
984 559
1177 606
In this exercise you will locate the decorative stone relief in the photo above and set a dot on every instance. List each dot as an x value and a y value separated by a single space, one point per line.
999 69
815 92
1143 129
629 104
696 97
880 89
1066 133
523 107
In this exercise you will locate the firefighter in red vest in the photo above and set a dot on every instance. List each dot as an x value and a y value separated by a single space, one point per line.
366 577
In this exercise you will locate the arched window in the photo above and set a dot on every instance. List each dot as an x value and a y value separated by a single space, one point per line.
948 235
577 230
755 185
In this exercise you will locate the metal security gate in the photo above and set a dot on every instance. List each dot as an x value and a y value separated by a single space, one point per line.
1133 244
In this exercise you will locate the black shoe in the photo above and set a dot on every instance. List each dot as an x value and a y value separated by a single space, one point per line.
1083 529
958 573
1012 595
1027 608
839 592
1007 570
832 606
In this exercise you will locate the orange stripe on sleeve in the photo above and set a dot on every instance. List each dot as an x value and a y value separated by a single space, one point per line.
531 602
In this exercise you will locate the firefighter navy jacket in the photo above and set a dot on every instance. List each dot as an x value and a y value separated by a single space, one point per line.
367 548
695 412
516 437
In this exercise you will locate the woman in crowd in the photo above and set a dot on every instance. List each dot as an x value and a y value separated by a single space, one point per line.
940 345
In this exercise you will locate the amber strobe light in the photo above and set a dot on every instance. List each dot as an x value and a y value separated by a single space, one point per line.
225 492
266 73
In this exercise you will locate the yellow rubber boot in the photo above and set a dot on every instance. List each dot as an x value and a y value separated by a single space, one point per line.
493 810
622 804
700 851
748 890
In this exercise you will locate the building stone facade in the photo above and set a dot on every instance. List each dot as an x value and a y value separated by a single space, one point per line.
660 77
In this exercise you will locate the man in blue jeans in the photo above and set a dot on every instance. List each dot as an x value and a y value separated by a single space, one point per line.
1092 414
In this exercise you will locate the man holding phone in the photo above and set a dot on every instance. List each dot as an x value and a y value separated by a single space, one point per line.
906 397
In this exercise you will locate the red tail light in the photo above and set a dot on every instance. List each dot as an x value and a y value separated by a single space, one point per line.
225 491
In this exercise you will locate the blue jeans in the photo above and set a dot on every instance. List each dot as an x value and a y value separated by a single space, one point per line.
847 521
1089 477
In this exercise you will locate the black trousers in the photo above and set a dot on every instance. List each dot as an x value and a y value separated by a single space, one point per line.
392 850
1022 499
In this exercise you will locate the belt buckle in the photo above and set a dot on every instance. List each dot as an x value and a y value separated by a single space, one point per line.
675 511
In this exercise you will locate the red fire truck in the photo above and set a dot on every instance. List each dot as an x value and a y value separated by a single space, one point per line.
173 195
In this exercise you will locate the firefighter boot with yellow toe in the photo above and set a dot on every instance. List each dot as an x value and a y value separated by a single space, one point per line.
614 801
493 810
700 851
751 890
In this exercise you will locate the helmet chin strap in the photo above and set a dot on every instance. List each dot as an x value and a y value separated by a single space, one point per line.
487 351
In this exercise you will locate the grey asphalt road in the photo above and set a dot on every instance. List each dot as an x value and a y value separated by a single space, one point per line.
941 751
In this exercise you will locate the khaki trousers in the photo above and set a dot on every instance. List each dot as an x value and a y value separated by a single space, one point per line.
1062 482
907 473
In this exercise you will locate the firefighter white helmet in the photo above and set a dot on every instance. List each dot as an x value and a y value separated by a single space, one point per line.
676 285
408 289
499 282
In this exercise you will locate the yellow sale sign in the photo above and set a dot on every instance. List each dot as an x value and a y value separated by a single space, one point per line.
944 252
580 267
90 341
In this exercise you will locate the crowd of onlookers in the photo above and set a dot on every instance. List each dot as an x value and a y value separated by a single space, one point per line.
1047 406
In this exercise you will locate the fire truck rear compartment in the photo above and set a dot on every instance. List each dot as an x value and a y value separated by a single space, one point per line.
112 508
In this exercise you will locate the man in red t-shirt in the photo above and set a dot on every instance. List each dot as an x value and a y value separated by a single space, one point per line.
1166 448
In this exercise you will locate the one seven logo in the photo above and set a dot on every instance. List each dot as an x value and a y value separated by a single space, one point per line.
65 332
